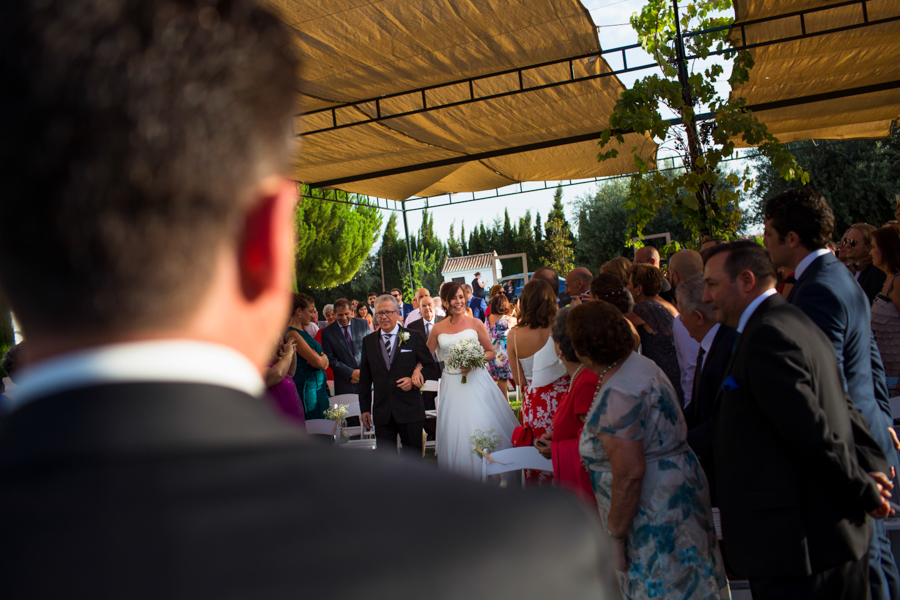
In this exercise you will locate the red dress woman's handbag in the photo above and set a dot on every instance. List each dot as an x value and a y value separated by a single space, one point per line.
522 436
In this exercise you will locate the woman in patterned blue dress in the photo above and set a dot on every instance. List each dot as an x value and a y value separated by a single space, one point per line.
656 509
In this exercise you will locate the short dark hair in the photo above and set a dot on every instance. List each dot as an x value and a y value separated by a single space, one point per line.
888 240
537 304
805 212
599 331
341 303
549 275
371 294
744 255
125 156
500 305
650 279
558 331
608 288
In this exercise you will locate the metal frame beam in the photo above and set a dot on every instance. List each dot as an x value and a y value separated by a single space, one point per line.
426 107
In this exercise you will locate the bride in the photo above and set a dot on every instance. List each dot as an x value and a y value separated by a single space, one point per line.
465 407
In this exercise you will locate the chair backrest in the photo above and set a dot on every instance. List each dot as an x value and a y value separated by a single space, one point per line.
351 401
431 386
320 427
514 459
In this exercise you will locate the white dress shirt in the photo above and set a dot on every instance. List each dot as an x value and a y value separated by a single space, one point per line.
393 333
748 312
706 344
798 271
686 348
415 315
182 361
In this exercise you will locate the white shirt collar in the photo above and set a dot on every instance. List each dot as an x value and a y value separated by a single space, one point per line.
393 331
706 342
798 271
748 312
183 361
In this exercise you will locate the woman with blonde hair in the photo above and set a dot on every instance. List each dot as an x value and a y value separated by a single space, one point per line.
620 267
535 366
857 248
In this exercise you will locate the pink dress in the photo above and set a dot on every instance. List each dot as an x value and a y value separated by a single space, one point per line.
286 399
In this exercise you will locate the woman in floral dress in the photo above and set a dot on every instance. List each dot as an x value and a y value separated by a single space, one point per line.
535 365
499 324
652 494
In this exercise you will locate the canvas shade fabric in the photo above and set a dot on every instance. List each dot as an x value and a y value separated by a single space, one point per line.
841 60
356 50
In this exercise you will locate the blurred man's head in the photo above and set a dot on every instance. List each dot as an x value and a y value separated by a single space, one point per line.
426 307
648 255
549 275
421 293
342 312
467 290
146 145
578 281
735 274
695 314
684 264
370 299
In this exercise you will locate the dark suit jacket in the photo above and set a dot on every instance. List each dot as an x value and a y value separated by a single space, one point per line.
828 294
871 280
792 493
406 407
174 490
433 371
479 308
405 309
698 413
340 359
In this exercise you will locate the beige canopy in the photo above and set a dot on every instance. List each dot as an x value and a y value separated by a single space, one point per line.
500 130
844 83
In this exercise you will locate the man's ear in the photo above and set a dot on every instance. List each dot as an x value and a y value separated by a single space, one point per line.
265 252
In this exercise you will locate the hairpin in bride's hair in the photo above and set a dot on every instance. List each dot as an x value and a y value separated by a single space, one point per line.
615 293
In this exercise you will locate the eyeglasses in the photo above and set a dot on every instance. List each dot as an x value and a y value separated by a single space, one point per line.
384 313
850 241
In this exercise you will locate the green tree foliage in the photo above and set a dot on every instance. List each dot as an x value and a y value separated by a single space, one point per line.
603 231
695 195
393 253
367 279
453 245
333 238
538 238
560 255
860 179
425 272
463 244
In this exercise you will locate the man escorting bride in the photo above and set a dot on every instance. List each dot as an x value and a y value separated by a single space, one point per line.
475 404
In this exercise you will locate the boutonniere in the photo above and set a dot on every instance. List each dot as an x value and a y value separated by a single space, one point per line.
403 336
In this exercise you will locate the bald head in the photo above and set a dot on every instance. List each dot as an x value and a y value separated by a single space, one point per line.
578 281
648 255
684 264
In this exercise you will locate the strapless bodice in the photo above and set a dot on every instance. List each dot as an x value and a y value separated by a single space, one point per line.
446 340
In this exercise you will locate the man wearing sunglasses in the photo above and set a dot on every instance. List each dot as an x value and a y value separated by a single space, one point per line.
404 308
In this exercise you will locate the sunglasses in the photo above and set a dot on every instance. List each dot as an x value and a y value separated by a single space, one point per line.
850 241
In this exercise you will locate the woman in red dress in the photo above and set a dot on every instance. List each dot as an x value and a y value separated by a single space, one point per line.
535 365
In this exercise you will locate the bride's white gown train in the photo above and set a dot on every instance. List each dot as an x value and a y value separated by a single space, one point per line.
465 407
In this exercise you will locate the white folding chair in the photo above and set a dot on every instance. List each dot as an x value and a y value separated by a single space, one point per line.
324 427
351 401
431 386
514 459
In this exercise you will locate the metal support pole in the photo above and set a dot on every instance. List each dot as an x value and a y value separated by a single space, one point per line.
408 247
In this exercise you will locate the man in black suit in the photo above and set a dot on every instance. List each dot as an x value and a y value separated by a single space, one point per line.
799 224
342 343
715 342
392 362
146 154
404 308
432 372
796 470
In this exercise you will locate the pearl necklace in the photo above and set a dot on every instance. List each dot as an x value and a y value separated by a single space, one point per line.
574 377
605 371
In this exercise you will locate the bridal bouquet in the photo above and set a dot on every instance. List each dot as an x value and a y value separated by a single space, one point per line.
465 354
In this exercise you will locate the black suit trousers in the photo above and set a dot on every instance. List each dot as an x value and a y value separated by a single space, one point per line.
410 436
847 581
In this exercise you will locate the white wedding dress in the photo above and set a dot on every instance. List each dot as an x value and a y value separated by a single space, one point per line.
465 407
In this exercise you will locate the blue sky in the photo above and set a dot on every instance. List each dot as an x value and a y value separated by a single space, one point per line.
612 16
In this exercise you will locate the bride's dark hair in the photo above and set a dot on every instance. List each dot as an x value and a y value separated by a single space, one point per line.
447 292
